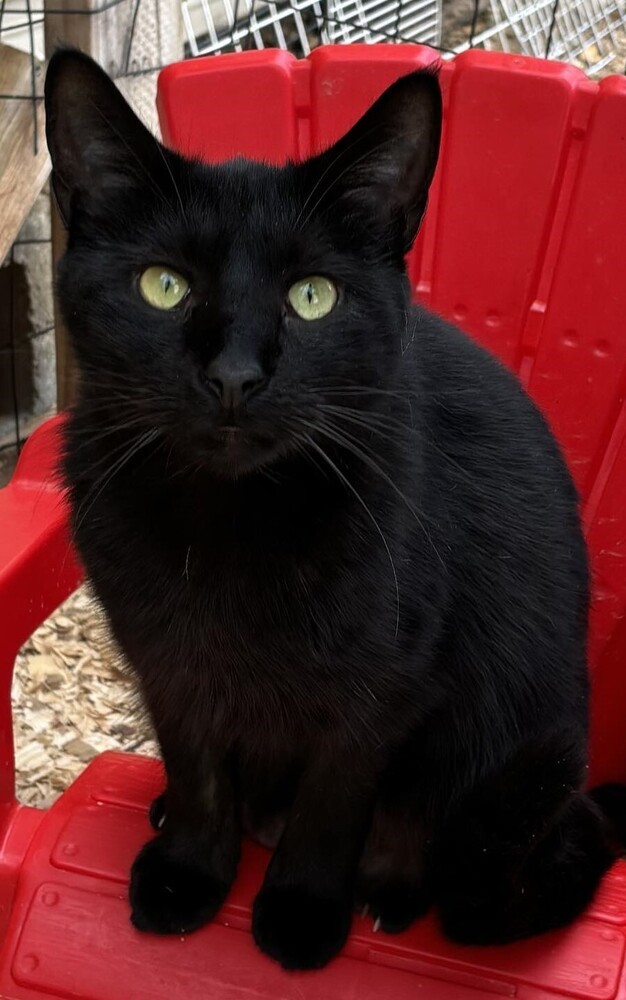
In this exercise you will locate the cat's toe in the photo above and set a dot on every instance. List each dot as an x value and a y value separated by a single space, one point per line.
169 894
394 906
299 928
156 813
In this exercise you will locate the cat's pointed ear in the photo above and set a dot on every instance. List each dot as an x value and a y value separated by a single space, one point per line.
97 143
382 168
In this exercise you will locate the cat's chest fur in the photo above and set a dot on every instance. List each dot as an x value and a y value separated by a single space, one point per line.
273 604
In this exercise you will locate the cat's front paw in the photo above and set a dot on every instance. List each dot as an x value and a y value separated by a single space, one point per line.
299 928
169 892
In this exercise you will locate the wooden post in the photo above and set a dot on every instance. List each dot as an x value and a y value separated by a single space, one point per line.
105 35
24 165
77 30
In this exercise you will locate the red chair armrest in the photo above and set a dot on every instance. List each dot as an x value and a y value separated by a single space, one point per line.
38 567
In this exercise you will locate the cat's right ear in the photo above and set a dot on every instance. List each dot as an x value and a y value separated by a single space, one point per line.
380 171
97 143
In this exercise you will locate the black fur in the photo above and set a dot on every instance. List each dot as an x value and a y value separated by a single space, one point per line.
359 619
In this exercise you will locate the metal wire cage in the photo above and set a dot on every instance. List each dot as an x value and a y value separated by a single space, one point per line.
214 26
384 20
591 32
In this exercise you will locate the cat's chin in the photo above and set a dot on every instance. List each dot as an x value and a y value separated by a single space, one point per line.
232 454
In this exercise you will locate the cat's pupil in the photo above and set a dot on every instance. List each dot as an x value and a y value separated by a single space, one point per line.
310 294
167 282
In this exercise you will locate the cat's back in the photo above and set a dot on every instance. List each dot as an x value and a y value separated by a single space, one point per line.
478 416
499 476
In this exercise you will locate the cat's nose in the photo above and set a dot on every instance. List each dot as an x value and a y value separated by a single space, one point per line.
233 385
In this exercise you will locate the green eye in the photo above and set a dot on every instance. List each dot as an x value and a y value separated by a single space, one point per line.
312 298
161 288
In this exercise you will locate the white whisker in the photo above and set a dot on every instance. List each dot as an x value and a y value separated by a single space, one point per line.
320 451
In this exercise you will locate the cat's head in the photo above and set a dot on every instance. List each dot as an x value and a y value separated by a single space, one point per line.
227 307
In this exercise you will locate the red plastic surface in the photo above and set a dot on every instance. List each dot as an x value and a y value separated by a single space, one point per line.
70 935
523 246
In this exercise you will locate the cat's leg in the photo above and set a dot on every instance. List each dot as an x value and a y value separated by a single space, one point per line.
303 912
266 828
395 879
180 879
525 851
266 794
262 818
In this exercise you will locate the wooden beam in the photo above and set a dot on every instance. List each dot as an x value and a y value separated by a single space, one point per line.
24 165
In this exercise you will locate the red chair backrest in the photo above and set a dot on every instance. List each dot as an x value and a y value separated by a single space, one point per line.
522 246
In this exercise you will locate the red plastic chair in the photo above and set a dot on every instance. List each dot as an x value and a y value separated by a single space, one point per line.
523 246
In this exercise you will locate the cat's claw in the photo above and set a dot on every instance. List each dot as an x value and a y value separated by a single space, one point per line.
156 813
395 906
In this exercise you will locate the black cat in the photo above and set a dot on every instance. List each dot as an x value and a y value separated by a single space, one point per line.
335 540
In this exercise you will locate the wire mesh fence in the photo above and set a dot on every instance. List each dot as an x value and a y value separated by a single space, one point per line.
589 32
222 26
133 39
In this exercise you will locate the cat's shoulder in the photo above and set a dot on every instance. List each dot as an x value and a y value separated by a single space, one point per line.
456 371
476 408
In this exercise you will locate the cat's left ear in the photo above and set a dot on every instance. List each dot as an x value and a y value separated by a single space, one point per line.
382 168
97 143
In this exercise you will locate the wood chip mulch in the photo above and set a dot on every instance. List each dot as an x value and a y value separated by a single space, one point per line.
72 699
